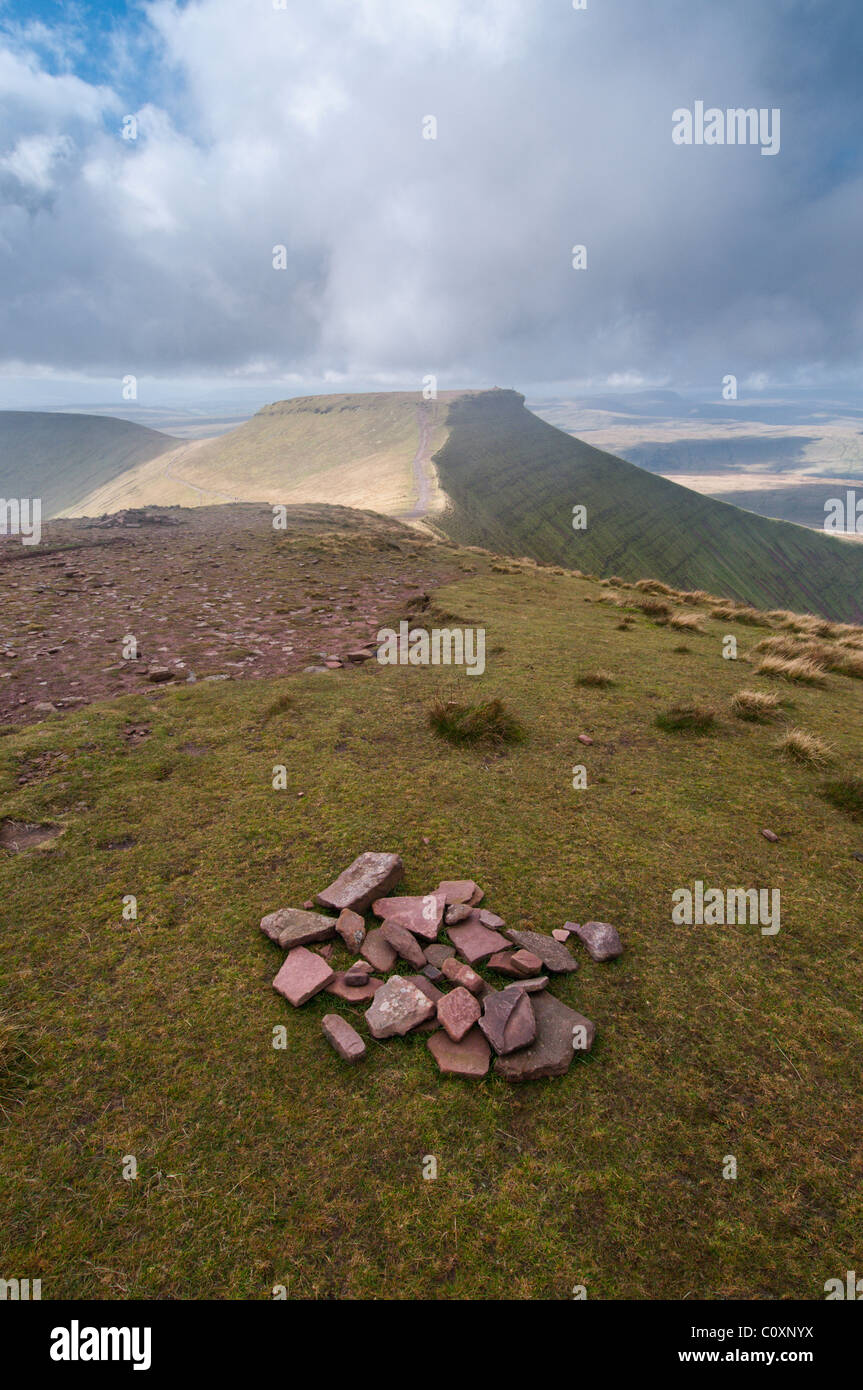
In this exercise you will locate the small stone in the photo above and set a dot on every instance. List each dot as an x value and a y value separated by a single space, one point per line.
359 654
345 1039
457 890
560 935
291 927
461 974
530 986
351 928
398 1007
553 954
45 707
769 835
326 951
515 963
157 674
475 942
437 953
422 916
404 944
432 973
308 905
458 1011
302 975
601 939
358 974
491 919
585 738
370 876
468 1058
457 913
508 1020
378 951
561 1034
360 993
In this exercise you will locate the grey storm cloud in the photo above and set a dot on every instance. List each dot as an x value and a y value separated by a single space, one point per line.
302 126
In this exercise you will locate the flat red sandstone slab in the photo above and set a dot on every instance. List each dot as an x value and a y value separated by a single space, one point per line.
352 994
474 941
369 877
459 890
397 1008
422 916
303 974
468 1058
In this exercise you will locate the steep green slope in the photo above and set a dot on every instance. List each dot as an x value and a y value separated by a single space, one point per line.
61 458
513 481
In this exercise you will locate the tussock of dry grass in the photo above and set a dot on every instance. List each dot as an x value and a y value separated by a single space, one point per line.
600 679
799 746
686 622
687 719
653 608
756 706
800 669
488 721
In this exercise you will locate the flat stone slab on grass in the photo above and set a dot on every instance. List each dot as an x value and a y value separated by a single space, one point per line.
422 916
398 1007
458 1011
460 890
600 938
468 1058
370 876
404 944
508 1020
303 975
552 1050
553 954
531 986
352 929
353 994
378 951
345 1039
474 941
290 926
459 912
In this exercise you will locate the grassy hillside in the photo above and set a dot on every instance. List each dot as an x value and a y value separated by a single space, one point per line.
352 450
513 480
260 1167
62 458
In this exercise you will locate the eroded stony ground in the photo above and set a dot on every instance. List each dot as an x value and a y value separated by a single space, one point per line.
206 593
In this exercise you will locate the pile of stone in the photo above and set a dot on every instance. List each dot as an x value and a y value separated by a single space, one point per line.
531 1033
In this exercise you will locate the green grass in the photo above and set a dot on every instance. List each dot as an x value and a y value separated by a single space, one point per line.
846 794
686 719
259 1167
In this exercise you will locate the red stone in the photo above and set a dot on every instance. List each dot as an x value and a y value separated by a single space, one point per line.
457 890
352 929
370 876
508 1020
468 1058
475 942
353 994
458 1012
378 951
303 975
398 1007
422 916
404 944
345 1039
461 974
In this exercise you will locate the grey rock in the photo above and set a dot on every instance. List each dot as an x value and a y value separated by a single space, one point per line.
554 956
370 876
290 926
601 939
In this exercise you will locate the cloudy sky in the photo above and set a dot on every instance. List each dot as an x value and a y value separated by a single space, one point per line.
300 124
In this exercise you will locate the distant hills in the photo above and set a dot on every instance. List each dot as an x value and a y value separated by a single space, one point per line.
475 465
64 458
